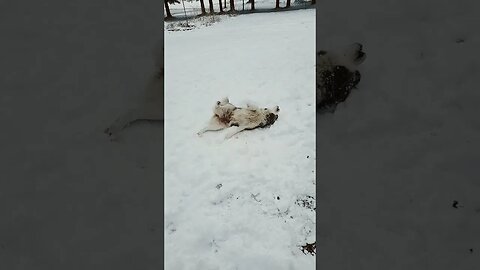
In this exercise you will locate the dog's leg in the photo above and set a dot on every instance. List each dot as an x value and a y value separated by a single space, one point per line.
238 130
152 113
212 126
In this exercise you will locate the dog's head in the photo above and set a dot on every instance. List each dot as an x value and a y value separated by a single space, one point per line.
270 116
337 74
350 57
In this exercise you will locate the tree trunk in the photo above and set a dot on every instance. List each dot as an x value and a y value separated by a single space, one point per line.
202 6
253 4
232 5
224 3
167 9
277 3
313 2
288 4
220 6
210 3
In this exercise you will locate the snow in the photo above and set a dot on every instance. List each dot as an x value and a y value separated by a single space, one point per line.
404 146
232 204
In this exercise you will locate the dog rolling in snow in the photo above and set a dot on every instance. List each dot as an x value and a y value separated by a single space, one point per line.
226 115
151 107
337 75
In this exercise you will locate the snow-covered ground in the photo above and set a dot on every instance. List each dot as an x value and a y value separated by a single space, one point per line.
237 203
405 146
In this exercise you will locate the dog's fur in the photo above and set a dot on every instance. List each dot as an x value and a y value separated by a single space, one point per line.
337 75
226 115
151 108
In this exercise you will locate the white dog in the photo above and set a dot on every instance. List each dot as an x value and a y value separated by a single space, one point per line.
152 106
226 115
337 75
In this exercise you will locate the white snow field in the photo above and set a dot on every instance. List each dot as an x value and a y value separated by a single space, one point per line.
234 204
404 146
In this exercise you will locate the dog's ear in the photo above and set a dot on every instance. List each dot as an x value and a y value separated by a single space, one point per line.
225 100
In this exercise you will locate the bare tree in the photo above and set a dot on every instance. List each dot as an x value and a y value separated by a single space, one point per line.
167 9
202 7
288 4
210 3
220 6
232 6
277 3
253 4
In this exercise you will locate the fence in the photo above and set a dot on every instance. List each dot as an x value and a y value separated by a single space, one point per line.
192 8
